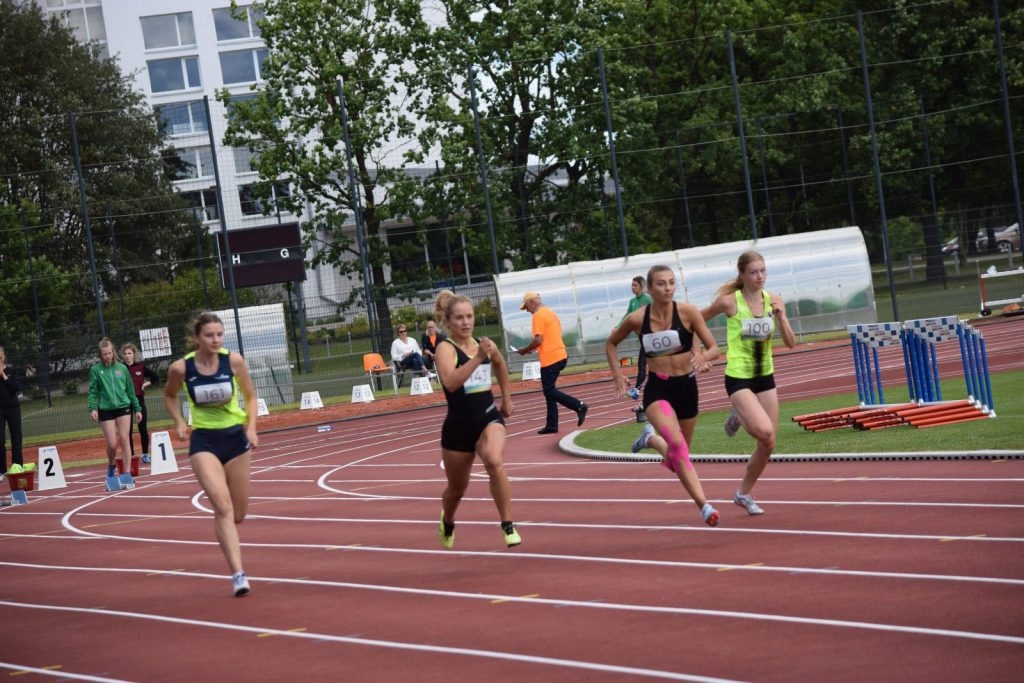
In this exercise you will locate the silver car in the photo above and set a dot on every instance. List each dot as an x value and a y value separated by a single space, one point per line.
1006 239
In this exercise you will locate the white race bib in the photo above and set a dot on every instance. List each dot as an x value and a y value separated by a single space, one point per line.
212 394
757 328
480 380
662 343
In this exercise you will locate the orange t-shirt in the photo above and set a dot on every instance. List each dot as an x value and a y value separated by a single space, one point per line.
547 324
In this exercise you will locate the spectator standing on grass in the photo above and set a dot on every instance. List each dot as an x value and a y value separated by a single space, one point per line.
752 316
142 377
406 352
474 425
10 415
640 299
429 341
112 403
668 331
547 341
222 434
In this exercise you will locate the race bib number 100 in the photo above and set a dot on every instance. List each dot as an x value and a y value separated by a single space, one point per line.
757 328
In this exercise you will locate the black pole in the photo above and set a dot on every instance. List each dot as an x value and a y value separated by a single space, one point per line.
931 189
846 165
44 361
443 199
682 184
764 178
743 136
200 257
86 222
230 261
483 172
878 167
116 258
1007 121
610 129
357 211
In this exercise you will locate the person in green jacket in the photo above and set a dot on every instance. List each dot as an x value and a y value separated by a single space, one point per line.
113 404
640 299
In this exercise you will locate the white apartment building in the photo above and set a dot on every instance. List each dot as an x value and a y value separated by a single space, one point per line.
178 52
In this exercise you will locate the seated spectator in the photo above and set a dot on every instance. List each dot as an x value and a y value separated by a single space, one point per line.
406 352
431 338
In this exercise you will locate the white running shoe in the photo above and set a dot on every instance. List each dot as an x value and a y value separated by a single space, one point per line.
744 500
641 441
709 514
239 584
732 424
633 393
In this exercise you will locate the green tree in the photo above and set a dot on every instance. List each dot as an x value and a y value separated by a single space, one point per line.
294 125
45 77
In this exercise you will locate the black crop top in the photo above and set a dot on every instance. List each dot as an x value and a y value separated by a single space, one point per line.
673 341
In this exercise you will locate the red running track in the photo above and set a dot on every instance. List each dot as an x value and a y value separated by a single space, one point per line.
858 570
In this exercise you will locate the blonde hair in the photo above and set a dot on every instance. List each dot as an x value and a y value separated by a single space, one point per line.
444 302
736 283
131 347
104 343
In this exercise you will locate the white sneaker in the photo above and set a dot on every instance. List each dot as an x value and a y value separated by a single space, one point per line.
732 424
709 514
431 375
641 441
744 500
239 584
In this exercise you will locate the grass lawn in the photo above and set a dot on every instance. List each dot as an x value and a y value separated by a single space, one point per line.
1001 433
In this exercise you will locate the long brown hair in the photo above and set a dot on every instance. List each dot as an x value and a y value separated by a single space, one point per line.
736 283
196 325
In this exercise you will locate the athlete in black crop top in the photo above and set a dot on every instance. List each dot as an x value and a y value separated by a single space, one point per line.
474 425
670 394
676 339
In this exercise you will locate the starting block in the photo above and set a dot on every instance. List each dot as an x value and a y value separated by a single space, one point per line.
120 482
19 497
531 370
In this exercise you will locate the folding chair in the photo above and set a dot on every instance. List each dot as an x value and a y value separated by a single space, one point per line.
375 366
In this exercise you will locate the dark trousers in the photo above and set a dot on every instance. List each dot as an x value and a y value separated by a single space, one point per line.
143 429
413 361
552 396
10 418
641 369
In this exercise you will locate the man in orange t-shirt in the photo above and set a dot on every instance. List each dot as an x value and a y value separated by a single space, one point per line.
547 340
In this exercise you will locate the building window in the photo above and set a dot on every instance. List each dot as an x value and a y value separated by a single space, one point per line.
183 118
168 30
205 204
85 19
167 75
191 163
245 160
230 28
259 200
242 66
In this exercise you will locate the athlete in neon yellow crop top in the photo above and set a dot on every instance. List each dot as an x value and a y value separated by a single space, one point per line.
223 434
753 315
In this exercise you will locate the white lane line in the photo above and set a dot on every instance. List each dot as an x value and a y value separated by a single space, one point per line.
585 604
389 644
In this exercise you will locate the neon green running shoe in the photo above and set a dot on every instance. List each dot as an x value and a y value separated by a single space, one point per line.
512 537
446 533
15 469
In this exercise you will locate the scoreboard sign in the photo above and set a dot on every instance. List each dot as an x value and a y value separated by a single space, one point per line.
262 256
